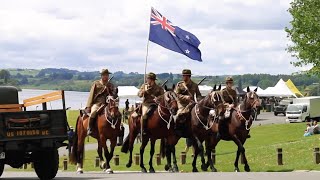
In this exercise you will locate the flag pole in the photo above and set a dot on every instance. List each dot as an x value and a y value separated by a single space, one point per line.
145 74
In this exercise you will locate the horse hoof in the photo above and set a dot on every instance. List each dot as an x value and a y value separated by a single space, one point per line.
195 170
204 167
247 168
236 170
214 170
166 167
109 171
128 165
80 172
151 170
143 170
175 169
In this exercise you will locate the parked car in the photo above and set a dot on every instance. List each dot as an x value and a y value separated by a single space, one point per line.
282 107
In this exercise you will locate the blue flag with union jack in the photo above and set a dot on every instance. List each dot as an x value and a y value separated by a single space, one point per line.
165 34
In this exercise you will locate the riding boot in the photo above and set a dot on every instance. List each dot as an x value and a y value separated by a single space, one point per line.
90 125
144 127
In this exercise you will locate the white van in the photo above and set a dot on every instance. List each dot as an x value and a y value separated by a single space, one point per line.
303 109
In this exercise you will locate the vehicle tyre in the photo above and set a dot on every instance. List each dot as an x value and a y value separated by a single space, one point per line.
307 119
46 164
276 114
1 168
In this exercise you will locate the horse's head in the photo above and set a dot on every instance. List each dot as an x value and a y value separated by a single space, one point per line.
251 99
113 104
171 100
216 100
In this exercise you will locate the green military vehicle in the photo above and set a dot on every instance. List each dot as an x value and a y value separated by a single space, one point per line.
31 136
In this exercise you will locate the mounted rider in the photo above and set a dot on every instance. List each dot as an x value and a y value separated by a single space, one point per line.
186 90
99 92
229 95
149 91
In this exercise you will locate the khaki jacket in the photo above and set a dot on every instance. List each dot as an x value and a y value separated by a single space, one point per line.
229 96
184 90
99 92
150 93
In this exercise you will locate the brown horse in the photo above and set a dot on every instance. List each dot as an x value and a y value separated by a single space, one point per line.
107 126
159 125
236 128
201 126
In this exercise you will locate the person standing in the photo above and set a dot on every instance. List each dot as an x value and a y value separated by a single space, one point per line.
149 91
99 92
127 104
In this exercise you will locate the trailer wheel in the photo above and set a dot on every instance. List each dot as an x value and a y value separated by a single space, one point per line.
46 164
1 168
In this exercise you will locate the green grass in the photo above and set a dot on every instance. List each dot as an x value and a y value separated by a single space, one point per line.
260 150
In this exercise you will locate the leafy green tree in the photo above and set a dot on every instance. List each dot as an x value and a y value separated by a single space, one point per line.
304 33
5 75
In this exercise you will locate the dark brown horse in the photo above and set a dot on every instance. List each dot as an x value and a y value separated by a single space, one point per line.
159 125
236 128
201 125
107 126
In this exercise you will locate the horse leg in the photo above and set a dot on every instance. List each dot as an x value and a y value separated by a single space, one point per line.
112 146
80 153
99 150
152 143
174 159
142 147
131 143
168 167
239 151
245 161
197 149
106 151
213 145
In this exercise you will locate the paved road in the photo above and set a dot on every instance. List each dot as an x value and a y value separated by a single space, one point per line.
263 119
168 176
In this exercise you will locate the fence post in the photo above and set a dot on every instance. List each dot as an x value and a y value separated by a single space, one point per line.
65 164
116 160
183 157
97 164
316 155
25 166
137 159
158 159
279 152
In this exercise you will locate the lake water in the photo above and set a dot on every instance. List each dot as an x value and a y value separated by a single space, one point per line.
74 99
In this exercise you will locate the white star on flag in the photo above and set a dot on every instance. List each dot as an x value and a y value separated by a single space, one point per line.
187 51
187 37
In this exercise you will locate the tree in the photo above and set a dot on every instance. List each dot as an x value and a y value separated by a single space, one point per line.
304 33
5 75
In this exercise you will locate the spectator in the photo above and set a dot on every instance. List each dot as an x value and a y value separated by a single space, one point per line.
308 131
127 104
316 128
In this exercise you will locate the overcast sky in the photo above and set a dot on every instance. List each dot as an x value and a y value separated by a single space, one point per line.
237 36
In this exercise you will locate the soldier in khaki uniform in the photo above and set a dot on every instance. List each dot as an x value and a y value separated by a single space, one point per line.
149 91
229 96
99 92
186 90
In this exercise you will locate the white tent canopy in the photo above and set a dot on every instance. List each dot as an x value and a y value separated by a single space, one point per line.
128 91
259 90
280 89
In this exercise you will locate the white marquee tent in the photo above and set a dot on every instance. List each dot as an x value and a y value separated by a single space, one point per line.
127 91
279 90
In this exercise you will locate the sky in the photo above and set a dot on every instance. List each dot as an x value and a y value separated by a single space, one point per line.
237 36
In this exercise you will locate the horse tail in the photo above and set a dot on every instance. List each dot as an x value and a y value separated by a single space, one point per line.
163 148
125 145
74 150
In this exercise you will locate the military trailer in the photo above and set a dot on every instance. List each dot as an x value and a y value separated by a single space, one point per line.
31 136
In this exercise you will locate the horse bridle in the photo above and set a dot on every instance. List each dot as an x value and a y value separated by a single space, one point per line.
250 110
166 106
107 113
212 102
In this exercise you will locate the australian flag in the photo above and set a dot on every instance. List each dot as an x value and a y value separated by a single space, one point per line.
164 33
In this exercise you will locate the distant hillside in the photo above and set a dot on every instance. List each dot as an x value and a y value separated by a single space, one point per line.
54 78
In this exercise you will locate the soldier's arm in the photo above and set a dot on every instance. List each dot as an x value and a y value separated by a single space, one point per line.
179 91
91 95
141 91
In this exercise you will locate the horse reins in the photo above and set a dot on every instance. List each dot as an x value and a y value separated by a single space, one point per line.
106 113
166 107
